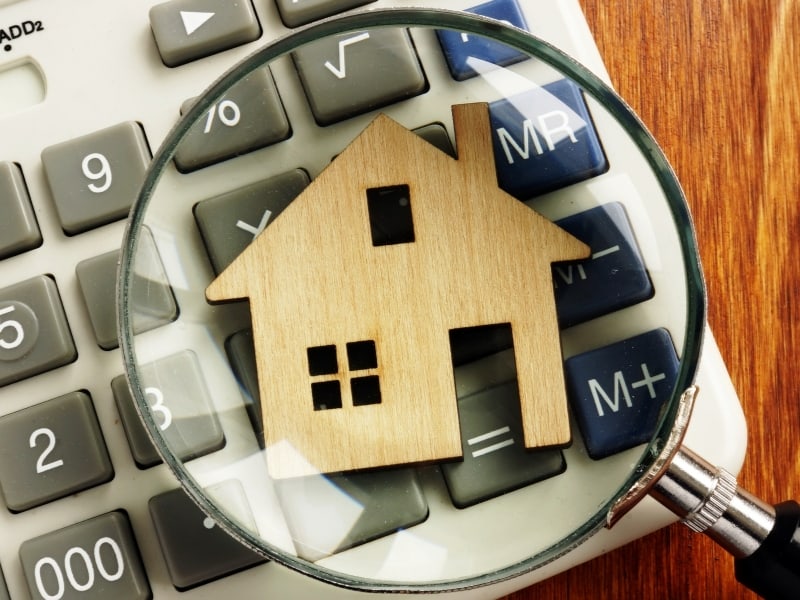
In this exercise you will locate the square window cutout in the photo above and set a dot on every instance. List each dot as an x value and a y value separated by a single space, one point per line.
362 355
322 360
365 390
390 219
326 395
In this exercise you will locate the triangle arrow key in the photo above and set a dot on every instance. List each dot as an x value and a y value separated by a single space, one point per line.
193 20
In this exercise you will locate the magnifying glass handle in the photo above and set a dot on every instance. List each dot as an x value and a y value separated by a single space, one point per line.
764 539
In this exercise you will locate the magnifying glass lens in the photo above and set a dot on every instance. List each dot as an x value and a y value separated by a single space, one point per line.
406 323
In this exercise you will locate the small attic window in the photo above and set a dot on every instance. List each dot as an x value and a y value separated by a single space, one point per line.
390 218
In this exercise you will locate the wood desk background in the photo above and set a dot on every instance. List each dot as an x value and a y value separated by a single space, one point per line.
718 84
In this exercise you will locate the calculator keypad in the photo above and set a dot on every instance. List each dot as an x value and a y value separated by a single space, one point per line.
92 560
543 141
18 228
34 335
95 178
51 450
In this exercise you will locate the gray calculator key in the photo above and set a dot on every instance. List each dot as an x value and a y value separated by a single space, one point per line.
436 134
181 406
229 222
18 228
51 450
248 117
242 356
195 549
495 460
95 178
34 334
329 514
95 559
3 589
97 280
185 30
354 73
299 12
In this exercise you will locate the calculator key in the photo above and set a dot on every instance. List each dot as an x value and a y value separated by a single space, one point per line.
181 406
185 30
3 589
544 139
250 116
229 222
299 12
97 279
462 51
612 278
34 335
329 514
436 134
18 228
354 73
495 459
242 356
92 560
196 550
95 178
617 391
51 450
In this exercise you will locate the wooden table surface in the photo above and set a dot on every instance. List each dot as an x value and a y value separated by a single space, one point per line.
718 84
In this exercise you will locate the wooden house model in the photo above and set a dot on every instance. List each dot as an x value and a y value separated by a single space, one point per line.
355 287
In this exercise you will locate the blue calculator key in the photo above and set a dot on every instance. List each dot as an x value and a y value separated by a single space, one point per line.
544 139
461 49
618 391
613 277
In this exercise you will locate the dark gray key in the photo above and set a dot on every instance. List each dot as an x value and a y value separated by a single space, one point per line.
3 589
95 178
195 549
181 406
18 228
354 73
228 223
34 335
97 278
299 12
329 514
248 117
495 460
186 30
242 356
436 134
96 559
51 450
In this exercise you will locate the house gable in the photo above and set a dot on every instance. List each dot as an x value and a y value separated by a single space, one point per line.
317 279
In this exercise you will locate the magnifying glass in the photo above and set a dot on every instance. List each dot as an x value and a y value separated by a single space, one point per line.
411 333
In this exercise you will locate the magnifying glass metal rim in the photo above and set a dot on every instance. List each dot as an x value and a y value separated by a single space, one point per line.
537 48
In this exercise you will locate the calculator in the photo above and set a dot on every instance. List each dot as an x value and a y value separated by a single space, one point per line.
87 94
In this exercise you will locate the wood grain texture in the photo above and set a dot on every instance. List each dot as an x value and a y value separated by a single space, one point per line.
323 250
717 83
